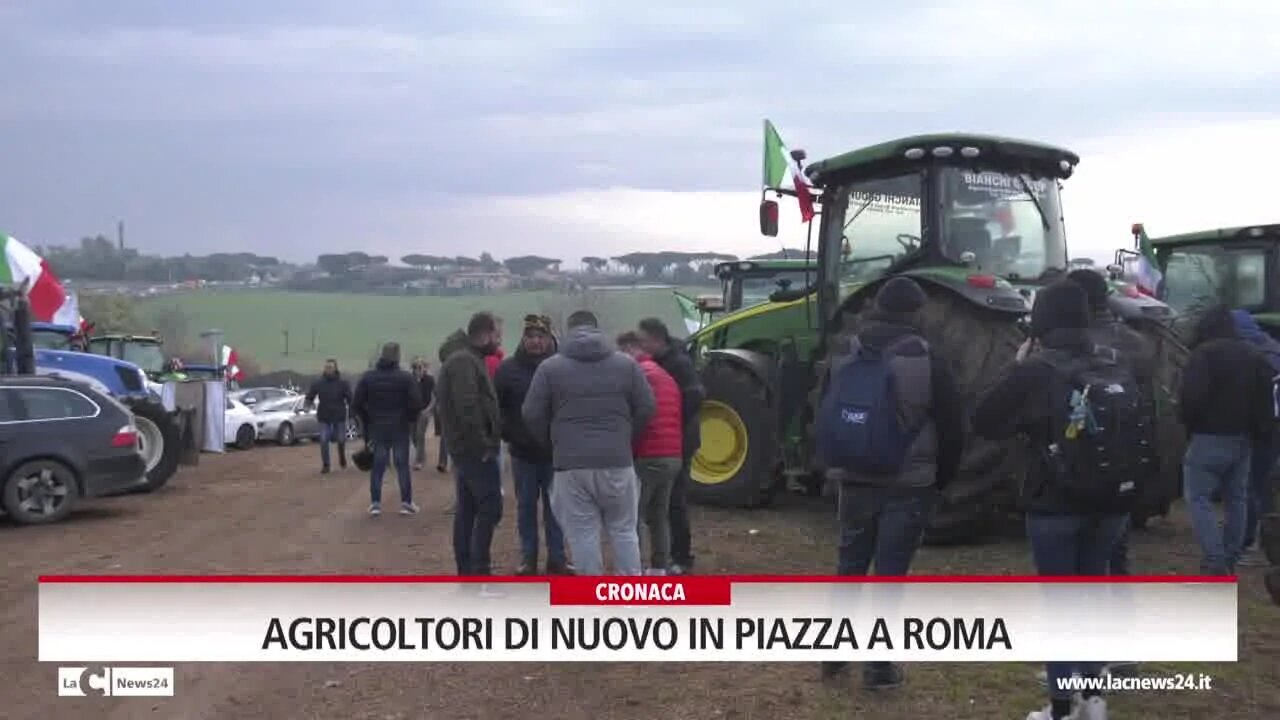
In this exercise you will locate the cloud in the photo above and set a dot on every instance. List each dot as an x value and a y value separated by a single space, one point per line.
542 126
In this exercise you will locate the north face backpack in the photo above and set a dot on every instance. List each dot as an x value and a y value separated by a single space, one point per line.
860 428
1101 443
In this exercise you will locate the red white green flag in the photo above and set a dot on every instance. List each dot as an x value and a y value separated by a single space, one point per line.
23 266
782 172
1148 271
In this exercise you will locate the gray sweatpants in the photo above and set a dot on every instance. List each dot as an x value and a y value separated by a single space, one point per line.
657 476
586 501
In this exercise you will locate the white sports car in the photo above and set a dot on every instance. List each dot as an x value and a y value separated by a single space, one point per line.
241 426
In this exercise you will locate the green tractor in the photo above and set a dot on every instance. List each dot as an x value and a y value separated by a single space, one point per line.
145 351
745 283
1238 267
977 222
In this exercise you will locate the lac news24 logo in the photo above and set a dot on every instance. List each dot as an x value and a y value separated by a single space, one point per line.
115 681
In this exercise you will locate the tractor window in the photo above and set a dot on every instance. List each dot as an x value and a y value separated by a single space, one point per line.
756 289
1196 277
50 340
146 355
881 225
993 222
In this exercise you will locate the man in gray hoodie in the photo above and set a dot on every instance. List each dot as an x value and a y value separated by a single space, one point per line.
589 403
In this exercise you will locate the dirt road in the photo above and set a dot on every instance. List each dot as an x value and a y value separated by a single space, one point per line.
269 510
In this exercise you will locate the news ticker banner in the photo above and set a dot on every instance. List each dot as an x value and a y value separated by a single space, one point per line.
173 619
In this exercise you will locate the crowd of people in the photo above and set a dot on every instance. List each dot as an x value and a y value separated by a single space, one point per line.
600 435
1082 391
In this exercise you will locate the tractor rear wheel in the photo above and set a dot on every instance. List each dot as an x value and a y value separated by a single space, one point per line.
737 462
1171 440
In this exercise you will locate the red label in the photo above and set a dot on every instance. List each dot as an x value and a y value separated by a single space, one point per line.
640 591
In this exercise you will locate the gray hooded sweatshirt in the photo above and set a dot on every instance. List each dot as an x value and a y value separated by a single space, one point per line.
589 402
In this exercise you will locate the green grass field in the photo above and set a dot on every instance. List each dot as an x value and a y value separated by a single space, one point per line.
351 327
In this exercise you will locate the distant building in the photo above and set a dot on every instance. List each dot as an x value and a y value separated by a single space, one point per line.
483 281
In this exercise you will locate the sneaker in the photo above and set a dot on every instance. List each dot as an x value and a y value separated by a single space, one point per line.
342 463
882 677
655 572
1094 708
1045 714
375 509
678 569
1043 677
1251 558
560 568
408 508
324 470
528 567
442 469
448 509
418 467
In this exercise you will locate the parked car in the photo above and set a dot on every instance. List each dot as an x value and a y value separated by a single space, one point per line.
241 429
253 397
62 441
286 420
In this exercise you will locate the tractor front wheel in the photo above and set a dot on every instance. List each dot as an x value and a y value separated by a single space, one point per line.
737 462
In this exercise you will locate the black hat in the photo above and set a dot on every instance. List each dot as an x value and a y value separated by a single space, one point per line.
1095 286
901 296
1062 305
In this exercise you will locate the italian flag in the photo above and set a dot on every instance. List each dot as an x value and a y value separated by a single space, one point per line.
689 312
23 267
1148 271
231 361
781 171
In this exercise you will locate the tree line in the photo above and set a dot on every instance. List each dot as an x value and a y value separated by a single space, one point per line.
99 259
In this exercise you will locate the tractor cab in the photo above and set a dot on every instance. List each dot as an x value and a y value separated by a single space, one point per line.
145 351
1238 267
750 282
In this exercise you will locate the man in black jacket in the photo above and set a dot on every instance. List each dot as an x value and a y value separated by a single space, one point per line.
1068 537
531 465
1226 404
655 339
334 394
387 401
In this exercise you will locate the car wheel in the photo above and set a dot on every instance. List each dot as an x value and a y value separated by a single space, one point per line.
39 492
284 436
352 430
245 437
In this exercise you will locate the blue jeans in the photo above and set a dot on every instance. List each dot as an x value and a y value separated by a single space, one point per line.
533 484
478 484
333 432
1073 545
393 446
1262 496
1218 463
882 526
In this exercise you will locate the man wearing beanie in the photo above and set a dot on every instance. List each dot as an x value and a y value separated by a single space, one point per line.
531 465
388 400
883 515
1068 536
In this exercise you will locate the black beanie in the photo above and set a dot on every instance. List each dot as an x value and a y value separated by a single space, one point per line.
1095 286
1063 305
900 296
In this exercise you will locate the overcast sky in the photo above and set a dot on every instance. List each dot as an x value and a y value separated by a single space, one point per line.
571 128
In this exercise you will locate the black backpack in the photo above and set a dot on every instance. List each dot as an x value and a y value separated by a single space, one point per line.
1101 443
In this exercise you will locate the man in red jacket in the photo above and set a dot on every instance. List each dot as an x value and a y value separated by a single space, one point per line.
658 451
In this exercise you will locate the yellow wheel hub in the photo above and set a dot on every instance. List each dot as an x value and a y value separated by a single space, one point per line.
724 444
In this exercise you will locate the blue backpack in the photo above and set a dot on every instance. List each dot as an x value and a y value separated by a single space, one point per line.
859 424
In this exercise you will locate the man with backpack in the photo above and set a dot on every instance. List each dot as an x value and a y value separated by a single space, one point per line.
1227 404
1261 501
1082 414
1110 334
890 428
